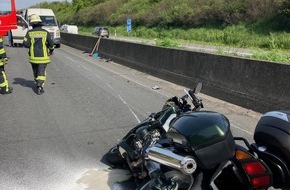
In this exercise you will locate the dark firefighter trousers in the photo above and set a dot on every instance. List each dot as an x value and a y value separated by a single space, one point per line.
39 72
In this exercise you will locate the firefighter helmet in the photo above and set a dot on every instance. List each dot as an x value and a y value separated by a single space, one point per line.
35 19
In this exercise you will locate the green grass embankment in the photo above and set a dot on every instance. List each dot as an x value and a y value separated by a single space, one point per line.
264 45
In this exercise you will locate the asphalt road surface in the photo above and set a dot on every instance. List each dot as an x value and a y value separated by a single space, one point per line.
56 141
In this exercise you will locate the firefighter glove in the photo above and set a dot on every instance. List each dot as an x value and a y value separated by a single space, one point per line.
50 52
5 60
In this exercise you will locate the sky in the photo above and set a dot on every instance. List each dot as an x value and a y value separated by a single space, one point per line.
5 5
21 4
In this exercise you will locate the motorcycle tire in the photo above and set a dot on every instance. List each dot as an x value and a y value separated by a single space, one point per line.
114 158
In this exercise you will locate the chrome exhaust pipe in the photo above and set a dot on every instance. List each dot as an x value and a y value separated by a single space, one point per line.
186 165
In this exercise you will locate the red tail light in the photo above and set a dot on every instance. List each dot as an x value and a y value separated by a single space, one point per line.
255 168
262 182
258 174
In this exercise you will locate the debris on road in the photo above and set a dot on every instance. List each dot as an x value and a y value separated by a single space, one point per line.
155 87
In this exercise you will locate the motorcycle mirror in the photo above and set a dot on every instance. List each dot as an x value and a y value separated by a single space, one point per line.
198 88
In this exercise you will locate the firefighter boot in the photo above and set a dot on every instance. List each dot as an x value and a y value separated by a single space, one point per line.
6 90
40 90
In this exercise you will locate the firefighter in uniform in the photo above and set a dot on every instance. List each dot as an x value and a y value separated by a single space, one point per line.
4 86
40 46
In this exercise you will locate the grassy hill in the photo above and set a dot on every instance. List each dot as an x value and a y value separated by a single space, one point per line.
255 24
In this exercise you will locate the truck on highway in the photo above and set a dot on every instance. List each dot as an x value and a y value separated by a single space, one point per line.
49 23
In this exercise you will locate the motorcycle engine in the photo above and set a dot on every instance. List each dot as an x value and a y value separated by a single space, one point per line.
170 180
144 136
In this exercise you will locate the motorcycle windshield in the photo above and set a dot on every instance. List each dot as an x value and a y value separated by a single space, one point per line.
201 128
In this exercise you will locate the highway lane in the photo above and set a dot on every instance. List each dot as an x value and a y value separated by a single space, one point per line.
57 140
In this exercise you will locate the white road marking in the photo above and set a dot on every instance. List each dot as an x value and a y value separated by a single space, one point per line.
86 68
98 76
123 76
141 84
235 126
129 108
70 59
125 103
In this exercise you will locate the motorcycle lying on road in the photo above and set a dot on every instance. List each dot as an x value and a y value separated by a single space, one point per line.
184 148
201 153
131 148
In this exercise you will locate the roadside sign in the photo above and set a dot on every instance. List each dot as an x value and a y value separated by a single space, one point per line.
129 22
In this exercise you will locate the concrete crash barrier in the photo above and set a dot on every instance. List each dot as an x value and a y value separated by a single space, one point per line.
257 85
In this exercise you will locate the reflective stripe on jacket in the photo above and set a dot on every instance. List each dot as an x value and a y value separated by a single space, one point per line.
38 41
2 53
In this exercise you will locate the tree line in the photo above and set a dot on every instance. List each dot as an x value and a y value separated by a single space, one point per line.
272 14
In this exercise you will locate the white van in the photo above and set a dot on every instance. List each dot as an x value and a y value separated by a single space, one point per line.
19 33
49 22
72 29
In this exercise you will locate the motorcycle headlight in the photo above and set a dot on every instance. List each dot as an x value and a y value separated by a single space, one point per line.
122 151
57 33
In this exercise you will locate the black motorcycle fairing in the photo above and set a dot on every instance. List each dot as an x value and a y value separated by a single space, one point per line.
278 166
201 128
207 134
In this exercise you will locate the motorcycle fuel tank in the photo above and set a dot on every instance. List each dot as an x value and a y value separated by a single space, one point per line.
207 134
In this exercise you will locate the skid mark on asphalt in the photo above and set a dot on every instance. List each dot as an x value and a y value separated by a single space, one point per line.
105 179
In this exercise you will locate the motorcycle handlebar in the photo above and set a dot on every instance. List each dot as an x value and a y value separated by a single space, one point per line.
191 93
182 102
195 101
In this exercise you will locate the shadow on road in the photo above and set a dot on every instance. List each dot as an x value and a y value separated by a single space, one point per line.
25 83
